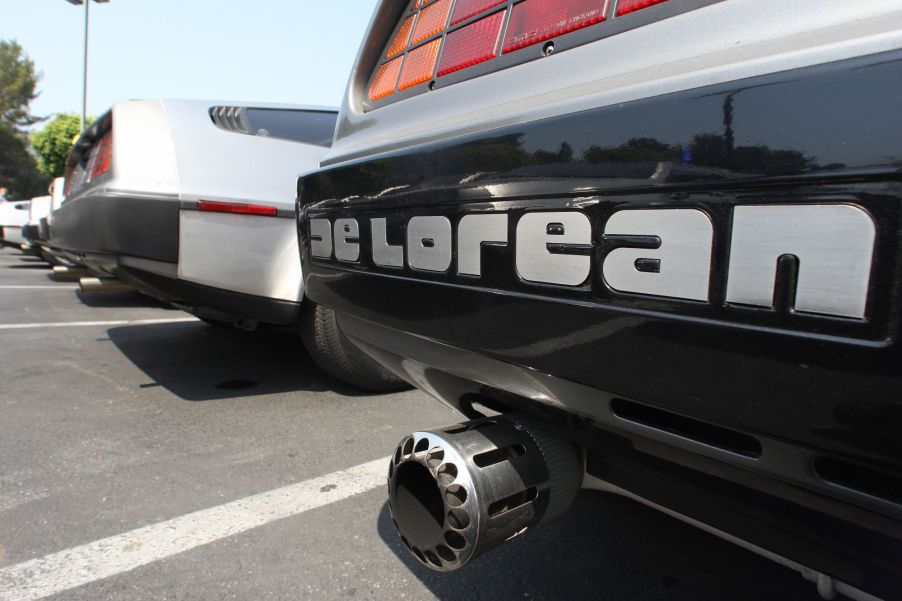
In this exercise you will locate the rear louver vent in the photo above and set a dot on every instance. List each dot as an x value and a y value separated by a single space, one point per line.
229 118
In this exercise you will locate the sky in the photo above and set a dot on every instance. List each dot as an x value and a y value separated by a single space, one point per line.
287 51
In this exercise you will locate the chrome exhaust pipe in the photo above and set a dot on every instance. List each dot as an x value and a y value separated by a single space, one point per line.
458 491
64 271
103 285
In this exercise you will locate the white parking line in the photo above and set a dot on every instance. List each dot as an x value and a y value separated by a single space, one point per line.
56 287
75 324
107 557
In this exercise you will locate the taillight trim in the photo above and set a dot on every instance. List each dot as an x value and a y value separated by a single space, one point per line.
612 24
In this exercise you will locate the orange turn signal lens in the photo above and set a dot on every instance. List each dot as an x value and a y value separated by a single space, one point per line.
386 77
431 21
400 42
420 65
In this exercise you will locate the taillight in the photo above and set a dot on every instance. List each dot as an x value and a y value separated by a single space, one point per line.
434 39
630 6
103 155
471 45
420 65
464 9
534 21
431 20
211 206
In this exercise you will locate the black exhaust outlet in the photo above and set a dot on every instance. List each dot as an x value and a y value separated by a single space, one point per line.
458 491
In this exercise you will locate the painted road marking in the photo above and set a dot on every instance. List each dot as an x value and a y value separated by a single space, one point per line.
107 557
75 324
57 287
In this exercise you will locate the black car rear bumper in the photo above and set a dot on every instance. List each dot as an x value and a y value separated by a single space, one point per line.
805 408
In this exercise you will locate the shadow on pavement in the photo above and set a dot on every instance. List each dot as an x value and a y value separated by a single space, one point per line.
199 362
120 300
611 548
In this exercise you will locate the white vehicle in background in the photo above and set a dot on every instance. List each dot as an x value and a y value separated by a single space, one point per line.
193 203
38 210
13 216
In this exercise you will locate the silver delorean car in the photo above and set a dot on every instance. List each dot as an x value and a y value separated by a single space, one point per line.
192 202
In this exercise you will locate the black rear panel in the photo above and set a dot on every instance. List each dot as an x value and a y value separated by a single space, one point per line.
821 394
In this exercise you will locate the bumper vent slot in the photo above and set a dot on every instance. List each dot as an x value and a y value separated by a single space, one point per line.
687 427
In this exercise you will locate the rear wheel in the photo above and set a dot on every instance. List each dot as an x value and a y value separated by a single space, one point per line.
338 356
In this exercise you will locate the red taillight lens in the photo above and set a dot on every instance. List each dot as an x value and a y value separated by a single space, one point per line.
103 155
471 45
629 6
385 79
534 21
420 65
431 21
236 208
464 9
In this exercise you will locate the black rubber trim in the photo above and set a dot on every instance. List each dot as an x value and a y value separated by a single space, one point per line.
205 298
107 222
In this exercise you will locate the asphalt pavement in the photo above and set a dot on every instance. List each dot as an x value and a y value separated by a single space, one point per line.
147 455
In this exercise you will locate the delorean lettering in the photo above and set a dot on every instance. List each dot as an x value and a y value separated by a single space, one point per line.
660 252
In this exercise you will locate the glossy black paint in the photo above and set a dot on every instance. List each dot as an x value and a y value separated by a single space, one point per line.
824 386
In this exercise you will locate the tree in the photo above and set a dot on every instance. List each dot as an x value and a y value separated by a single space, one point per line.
18 81
54 142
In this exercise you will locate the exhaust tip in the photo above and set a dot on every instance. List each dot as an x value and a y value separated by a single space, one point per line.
458 491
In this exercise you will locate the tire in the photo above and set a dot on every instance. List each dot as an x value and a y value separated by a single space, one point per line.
336 355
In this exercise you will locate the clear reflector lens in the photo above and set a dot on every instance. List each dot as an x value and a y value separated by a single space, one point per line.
464 9
431 21
420 65
385 79
471 45
629 6
534 21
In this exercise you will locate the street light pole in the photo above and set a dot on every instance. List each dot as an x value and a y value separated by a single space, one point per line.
84 80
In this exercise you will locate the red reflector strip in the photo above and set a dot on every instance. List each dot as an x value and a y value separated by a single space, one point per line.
237 208
431 20
420 64
464 9
103 155
400 42
386 77
471 45
534 21
630 6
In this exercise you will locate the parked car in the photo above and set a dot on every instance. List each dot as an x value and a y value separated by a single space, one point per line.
13 217
38 208
192 202
649 247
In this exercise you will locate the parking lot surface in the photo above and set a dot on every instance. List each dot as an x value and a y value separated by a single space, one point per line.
147 455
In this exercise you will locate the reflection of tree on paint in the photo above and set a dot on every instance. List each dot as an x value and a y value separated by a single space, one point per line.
635 149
